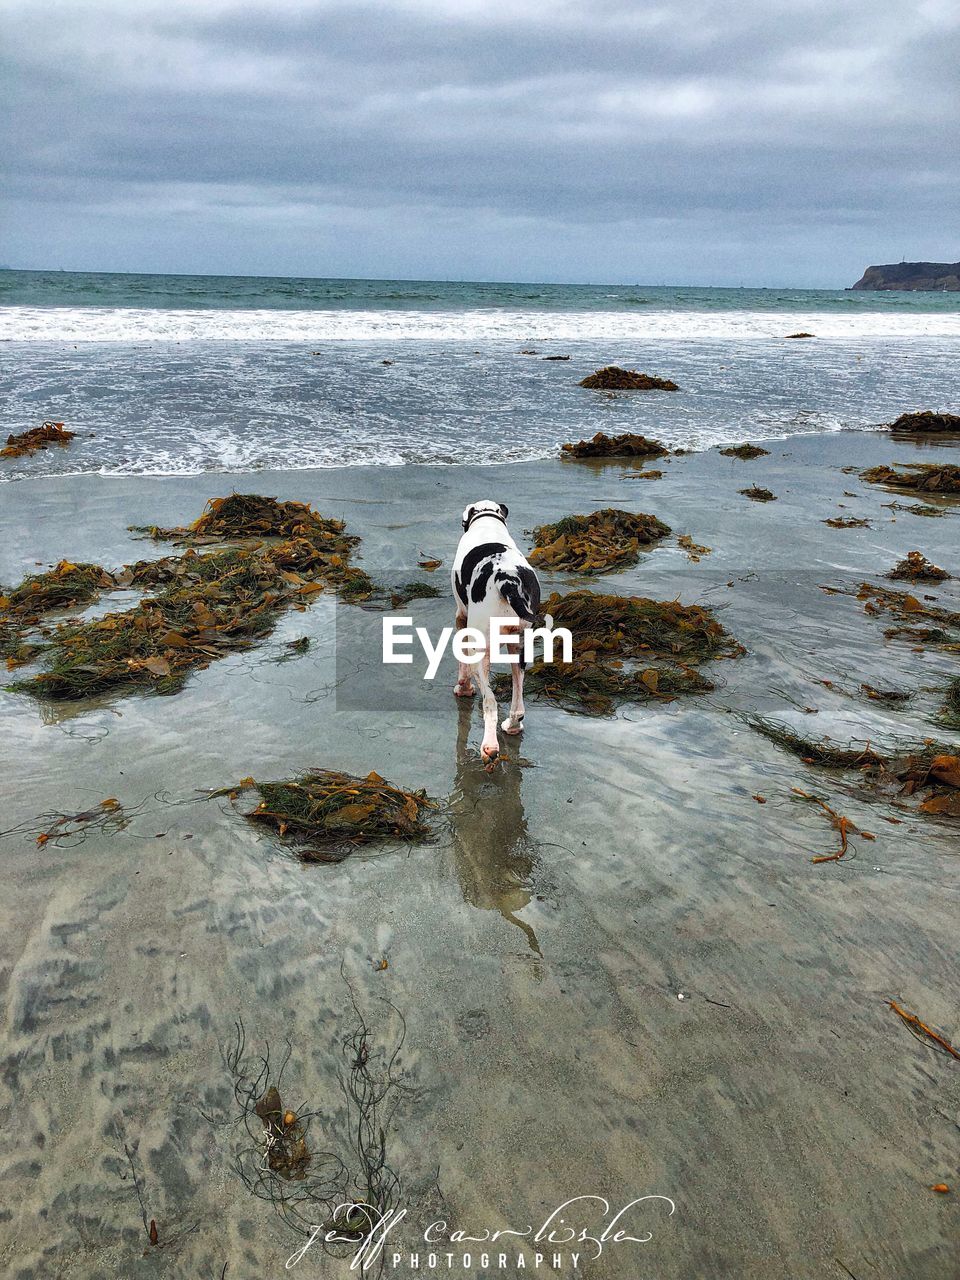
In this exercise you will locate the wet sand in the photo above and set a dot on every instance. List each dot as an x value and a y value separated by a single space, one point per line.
537 949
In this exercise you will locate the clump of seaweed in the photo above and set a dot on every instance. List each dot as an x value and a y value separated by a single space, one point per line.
802 334
927 422
627 445
414 591
935 774
931 772
638 627
43 437
925 477
324 814
251 515
907 608
349 1188
820 752
597 688
228 599
950 712
598 543
284 1136
651 474
847 522
917 568
661 640
745 452
756 493
613 378
892 698
693 549
292 650
915 508
64 830
62 587
203 606
109 817
15 649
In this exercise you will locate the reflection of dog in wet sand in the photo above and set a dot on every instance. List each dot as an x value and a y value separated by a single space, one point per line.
492 580
494 865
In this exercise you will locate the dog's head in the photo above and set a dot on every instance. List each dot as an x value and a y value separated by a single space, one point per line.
486 507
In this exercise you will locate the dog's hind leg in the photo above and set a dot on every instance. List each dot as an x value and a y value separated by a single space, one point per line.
464 686
490 747
514 721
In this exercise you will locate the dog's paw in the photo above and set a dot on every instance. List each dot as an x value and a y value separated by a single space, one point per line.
464 690
489 754
512 729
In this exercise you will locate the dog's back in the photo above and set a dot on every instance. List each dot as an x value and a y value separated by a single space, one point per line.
491 577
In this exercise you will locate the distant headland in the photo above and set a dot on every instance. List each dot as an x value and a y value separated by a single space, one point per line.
937 276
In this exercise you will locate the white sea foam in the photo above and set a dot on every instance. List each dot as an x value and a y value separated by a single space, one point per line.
130 325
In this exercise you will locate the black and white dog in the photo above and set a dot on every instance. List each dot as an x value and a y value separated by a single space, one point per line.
492 579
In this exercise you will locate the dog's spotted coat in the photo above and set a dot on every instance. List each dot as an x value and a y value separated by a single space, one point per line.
492 579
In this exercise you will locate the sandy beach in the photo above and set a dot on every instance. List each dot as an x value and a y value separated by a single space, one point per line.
536 951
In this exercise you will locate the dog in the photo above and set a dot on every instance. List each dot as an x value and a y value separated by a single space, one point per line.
492 579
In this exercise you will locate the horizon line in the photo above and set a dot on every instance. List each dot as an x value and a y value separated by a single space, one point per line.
557 284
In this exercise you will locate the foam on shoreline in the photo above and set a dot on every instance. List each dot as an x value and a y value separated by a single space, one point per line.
131 324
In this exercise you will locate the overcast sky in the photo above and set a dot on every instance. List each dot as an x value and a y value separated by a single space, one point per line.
688 141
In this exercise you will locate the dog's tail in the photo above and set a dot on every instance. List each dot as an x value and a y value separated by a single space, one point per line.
516 595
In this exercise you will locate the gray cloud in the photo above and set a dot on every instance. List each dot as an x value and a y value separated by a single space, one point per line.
690 141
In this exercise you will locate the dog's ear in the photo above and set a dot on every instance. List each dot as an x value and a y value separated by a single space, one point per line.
466 517
503 510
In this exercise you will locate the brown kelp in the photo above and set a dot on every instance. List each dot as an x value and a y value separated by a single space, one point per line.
693 549
907 608
627 445
328 1166
203 606
933 773
915 508
950 711
924 1034
227 600
926 422
323 813
284 1136
924 477
252 515
745 452
756 493
917 568
638 627
930 772
843 826
822 752
64 586
50 434
613 378
847 522
660 640
597 543
597 688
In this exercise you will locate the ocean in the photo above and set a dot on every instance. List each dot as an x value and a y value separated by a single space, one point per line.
167 375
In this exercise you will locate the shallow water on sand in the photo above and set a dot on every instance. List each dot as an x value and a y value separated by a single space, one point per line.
536 951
